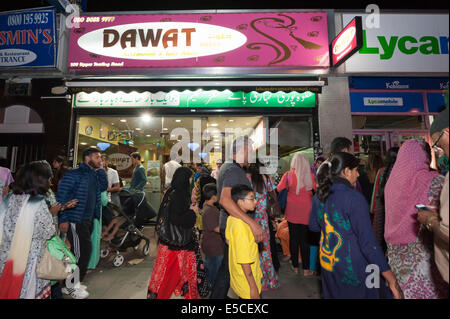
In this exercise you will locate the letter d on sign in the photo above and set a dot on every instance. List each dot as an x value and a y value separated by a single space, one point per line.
373 279
373 19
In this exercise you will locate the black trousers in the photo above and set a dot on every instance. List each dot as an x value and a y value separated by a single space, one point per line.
298 237
79 235
222 283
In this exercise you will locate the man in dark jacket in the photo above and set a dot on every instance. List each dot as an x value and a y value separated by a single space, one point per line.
84 184
343 144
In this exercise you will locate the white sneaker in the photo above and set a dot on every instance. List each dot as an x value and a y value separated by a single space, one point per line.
76 293
67 292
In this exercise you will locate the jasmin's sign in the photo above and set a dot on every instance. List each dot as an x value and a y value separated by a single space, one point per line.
297 39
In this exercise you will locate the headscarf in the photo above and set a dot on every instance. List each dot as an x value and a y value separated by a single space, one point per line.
180 180
408 185
300 165
205 172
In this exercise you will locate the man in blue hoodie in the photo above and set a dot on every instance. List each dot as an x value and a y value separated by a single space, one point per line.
84 184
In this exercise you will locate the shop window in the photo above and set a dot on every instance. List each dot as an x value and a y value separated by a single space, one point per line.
380 122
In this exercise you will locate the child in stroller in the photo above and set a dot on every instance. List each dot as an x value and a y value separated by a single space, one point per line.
125 224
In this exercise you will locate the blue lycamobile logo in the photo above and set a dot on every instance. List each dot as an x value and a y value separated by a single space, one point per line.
407 44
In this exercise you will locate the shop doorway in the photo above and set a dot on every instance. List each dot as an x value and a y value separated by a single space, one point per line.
155 137
377 142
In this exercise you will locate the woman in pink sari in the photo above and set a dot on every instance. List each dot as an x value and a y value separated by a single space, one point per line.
410 247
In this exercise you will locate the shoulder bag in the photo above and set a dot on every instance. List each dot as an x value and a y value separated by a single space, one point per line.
168 233
57 262
282 196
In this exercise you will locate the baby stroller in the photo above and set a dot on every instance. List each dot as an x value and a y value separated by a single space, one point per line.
130 220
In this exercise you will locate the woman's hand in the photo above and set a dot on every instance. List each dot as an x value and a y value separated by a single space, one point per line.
70 204
194 208
55 209
423 215
396 290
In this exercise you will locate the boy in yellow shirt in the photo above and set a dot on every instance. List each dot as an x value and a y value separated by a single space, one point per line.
245 271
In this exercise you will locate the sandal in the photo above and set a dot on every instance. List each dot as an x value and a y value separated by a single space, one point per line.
295 270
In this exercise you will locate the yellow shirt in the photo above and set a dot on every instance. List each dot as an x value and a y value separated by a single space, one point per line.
242 250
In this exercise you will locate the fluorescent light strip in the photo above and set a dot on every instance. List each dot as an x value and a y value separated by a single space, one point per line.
193 83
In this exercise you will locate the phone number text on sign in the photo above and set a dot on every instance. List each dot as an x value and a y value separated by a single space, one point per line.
93 19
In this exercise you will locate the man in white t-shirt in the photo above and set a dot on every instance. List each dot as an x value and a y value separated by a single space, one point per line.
113 182
169 169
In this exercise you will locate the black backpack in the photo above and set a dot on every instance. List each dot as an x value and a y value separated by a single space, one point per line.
168 233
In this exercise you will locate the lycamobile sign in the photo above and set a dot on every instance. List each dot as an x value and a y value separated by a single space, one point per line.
403 43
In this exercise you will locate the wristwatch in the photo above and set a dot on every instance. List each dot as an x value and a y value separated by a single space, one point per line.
429 222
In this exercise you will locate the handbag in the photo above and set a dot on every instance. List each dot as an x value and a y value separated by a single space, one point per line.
282 196
273 207
168 233
57 262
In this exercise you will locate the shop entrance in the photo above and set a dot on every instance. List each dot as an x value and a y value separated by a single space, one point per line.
377 142
205 137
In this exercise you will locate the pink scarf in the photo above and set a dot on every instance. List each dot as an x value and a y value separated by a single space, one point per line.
408 185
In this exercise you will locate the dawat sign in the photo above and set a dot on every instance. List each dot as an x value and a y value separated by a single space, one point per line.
269 39
403 43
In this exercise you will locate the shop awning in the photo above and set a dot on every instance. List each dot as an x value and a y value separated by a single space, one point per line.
312 85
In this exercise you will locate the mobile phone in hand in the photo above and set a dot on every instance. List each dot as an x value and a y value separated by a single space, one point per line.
422 207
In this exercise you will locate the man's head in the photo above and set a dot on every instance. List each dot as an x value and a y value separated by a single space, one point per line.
341 144
135 158
218 164
105 159
240 149
244 197
210 192
439 131
92 157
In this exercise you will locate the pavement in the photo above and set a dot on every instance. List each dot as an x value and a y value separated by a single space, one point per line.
131 281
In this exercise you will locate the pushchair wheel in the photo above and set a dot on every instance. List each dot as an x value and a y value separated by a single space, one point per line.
104 253
146 249
118 260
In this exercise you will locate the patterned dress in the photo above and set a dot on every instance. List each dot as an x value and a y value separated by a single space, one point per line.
43 230
413 264
270 277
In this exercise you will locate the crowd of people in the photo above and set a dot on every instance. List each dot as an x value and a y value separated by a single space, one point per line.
216 229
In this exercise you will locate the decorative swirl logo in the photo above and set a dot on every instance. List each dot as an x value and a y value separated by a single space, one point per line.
283 21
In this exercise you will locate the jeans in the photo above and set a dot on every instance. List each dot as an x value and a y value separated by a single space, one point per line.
212 265
222 282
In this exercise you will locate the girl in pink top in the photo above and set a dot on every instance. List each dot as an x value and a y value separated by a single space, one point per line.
301 183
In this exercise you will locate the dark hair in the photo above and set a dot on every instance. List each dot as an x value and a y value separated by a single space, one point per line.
60 159
240 191
136 155
375 163
33 179
209 190
106 156
256 177
427 149
340 143
90 151
326 174
391 157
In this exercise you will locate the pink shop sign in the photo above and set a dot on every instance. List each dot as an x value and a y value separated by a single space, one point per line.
277 39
